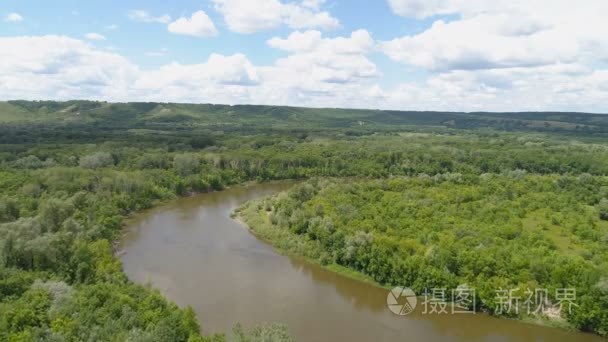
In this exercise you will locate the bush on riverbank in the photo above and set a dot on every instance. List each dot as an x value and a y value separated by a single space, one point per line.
512 231
67 182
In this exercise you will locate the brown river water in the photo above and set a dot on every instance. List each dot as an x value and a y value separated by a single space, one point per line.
196 255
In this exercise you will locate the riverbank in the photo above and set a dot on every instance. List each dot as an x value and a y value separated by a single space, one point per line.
255 217
264 233
197 255
158 204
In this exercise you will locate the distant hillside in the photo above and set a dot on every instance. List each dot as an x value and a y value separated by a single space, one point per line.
281 117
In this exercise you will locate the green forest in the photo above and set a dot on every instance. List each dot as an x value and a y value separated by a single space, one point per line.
420 198
488 231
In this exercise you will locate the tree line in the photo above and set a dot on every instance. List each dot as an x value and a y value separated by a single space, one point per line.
68 179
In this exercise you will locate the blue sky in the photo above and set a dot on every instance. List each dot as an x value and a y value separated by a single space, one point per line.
399 54
134 40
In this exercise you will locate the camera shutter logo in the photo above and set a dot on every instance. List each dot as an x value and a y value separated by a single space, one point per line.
401 300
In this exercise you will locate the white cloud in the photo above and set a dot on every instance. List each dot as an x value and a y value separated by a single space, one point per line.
58 67
426 8
297 41
359 42
145 17
329 72
249 16
112 27
482 42
13 18
467 8
94 36
315 61
317 71
502 34
198 25
561 88
332 71
314 4
505 55
223 79
218 69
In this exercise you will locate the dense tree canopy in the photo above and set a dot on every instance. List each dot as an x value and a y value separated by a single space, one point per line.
519 202
510 231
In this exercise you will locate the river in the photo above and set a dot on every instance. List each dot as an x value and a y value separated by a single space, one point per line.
196 255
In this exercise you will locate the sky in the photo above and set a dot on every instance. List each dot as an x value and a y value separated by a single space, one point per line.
456 55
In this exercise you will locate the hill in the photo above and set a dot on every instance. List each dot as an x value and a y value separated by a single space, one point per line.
137 114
